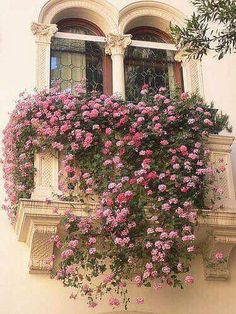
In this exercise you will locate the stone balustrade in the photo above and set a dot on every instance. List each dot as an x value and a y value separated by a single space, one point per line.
37 222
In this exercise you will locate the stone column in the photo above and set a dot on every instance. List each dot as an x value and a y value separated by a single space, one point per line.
116 45
43 34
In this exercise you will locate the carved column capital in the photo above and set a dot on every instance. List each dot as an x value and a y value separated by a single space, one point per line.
116 43
43 32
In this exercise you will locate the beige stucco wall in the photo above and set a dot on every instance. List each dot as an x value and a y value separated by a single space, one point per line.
24 293
21 293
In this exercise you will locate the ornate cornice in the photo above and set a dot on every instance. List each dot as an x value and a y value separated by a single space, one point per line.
116 43
105 13
220 143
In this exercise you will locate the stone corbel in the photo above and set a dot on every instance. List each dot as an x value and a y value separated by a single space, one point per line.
222 238
40 246
43 34
37 222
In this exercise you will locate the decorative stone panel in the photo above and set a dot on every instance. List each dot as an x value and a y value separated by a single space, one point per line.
46 176
192 73
220 147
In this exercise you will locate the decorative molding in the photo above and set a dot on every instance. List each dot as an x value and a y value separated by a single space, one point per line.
220 143
99 11
150 9
116 43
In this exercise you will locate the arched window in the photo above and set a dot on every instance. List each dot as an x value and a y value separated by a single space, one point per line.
74 60
147 65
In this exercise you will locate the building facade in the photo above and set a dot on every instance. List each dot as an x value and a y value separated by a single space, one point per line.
117 46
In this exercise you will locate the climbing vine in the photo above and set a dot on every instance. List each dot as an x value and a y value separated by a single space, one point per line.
145 163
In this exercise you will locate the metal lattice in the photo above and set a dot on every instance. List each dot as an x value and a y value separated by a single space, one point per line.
75 60
150 66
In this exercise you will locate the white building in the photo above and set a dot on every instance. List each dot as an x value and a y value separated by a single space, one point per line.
37 42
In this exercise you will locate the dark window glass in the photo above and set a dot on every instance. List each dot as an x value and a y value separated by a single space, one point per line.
75 60
154 67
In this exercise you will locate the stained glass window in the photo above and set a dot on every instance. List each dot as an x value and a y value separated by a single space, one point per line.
76 60
154 67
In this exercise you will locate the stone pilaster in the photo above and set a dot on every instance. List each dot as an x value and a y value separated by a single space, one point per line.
46 178
220 147
43 34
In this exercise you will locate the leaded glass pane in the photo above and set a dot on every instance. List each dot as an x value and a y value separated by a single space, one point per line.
76 60
148 66
154 67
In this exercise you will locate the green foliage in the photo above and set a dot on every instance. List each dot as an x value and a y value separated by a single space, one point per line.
211 27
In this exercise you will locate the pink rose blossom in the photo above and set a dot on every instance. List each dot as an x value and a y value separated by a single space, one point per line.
188 280
140 300
219 256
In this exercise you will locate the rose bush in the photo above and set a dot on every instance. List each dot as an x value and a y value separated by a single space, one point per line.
147 162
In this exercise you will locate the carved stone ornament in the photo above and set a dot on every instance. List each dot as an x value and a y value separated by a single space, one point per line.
37 221
43 32
116 43
222 238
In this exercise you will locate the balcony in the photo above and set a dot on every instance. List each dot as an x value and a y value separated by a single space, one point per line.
38 218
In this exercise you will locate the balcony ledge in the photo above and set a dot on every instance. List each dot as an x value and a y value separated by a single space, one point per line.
37 222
